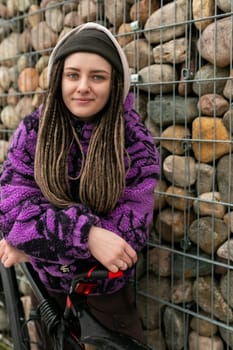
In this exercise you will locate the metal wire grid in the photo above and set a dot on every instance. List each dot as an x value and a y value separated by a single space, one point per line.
168 323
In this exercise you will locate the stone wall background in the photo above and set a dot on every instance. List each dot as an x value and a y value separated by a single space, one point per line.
180 53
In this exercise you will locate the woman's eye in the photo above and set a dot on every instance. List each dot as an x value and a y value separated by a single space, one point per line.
72 75
98 77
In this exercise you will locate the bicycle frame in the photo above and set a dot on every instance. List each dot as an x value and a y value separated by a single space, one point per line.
91 331
14 307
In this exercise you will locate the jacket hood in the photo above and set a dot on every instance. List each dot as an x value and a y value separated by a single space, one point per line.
92 25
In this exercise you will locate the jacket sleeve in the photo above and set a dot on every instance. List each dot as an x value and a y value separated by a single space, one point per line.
133 215
27 220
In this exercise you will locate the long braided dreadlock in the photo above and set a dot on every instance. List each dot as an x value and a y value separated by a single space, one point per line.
102 177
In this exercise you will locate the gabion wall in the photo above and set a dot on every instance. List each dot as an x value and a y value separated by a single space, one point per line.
180 54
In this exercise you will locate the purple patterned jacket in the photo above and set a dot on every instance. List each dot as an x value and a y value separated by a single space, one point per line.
56 239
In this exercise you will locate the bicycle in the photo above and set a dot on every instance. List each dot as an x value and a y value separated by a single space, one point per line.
76 314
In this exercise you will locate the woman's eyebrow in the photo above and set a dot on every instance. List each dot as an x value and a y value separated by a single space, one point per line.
99 70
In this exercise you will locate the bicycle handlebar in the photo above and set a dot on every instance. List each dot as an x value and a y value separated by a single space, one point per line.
82 283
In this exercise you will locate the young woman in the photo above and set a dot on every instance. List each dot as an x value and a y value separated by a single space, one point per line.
77 186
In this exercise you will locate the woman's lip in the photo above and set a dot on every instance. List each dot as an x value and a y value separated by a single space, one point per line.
83 100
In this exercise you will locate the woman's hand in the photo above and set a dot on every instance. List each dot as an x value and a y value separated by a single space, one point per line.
111 250
10 255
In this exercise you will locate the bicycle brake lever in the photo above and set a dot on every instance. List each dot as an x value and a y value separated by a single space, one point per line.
85 283
102 273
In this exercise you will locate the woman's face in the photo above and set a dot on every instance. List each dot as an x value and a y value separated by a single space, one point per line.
86 83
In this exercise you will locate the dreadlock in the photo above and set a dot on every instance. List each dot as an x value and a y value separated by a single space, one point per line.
102 177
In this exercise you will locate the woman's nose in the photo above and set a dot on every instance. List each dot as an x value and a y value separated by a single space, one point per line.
83 84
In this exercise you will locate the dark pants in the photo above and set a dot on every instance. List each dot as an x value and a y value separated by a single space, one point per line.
115 311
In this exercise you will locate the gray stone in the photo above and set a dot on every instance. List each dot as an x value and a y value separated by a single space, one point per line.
228 121
226 287
228 91
182 291
140 105
189 266
138 53
218 52
225 251
213 105
225 5
224 181
54 18
9 49
204 10
42 37
154 76
209 204
205 178
160 261
227 334
202 326
150 309
165 17
208 296
167 110
208 232
210 78
174 51
174 329
199 342
171 224
228 219
179 198
180 170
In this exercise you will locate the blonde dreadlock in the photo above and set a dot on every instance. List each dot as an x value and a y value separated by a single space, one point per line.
102 177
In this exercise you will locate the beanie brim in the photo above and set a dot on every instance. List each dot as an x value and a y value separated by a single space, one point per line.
93 41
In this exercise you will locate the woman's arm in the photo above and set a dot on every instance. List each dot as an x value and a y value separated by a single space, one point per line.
27 221
132 217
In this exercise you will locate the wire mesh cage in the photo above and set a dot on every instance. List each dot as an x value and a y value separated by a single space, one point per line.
180 56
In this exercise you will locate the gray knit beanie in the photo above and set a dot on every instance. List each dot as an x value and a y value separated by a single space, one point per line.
95 38
94 41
